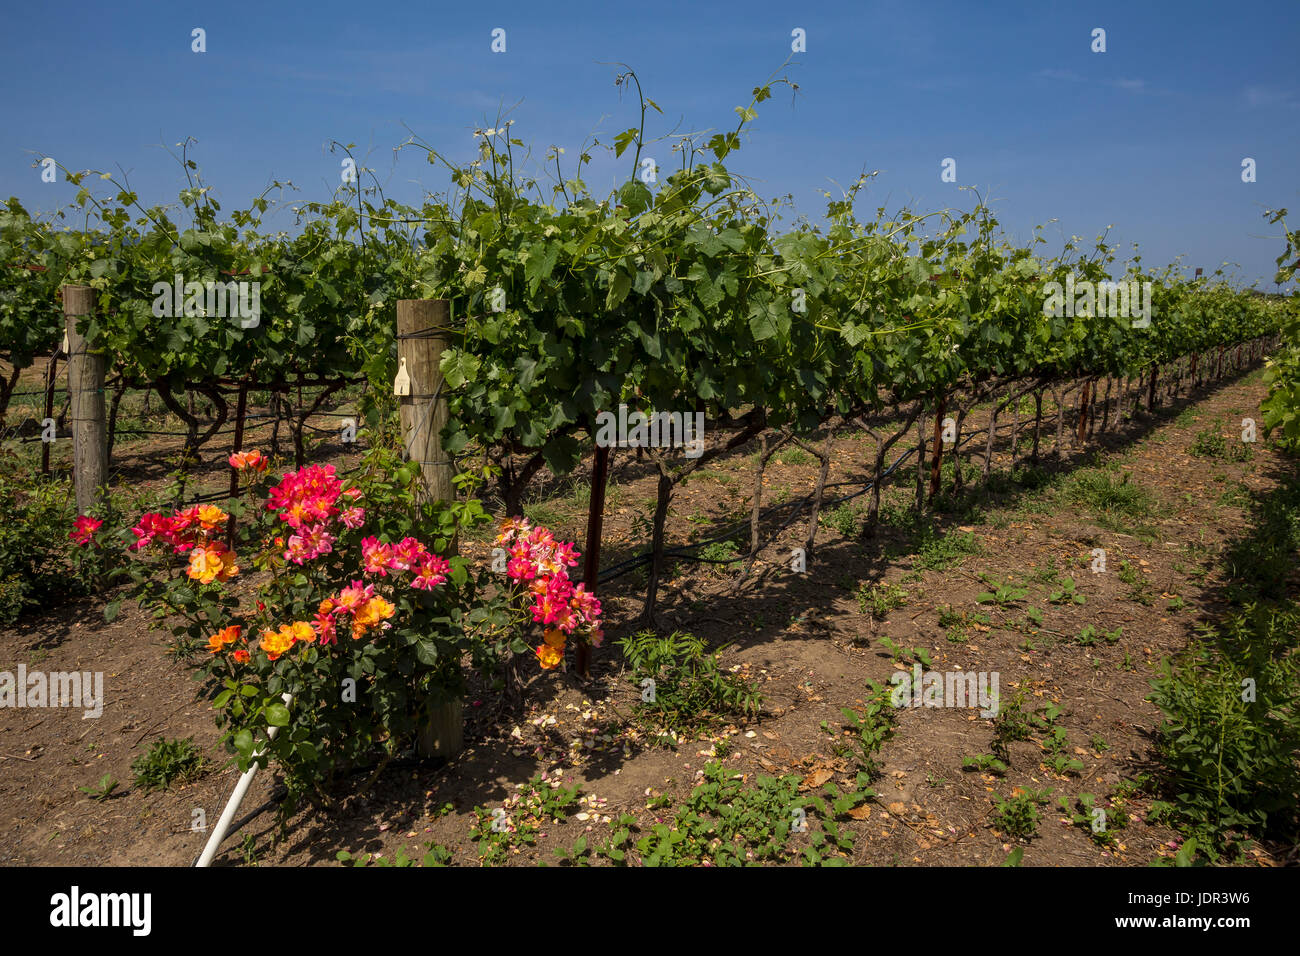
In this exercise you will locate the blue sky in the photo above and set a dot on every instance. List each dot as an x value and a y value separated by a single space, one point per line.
1148 136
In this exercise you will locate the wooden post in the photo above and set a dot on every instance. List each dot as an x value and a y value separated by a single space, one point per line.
591 551
444 734
86 394
421 339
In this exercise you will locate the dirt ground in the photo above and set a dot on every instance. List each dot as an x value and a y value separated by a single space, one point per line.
805 639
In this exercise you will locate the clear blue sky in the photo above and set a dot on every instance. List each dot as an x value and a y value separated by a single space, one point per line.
1148 136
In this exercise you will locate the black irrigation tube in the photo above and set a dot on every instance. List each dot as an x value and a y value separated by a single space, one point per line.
680 552
223 431
118 432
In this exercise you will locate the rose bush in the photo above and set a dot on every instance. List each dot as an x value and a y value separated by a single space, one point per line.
356 614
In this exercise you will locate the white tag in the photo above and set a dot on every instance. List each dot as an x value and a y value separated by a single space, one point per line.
402 384
64 347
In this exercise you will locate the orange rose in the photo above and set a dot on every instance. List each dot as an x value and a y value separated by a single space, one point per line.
212 562
210 516
276 643
243 460
550 657
227 635
373 612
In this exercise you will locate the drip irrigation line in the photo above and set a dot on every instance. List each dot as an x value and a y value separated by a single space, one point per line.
221 431
681 552
315 428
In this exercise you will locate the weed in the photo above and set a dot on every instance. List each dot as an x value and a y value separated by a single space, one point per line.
939 552
1139 589
580 494
520 818
683 687
1118 503
1066 594
613 849
1057 761
950 618
435 855
725 823
543 515
1004 593
1018 817
720 551
102 790
984 762
1210 443
1230 726
1047 574
794 456
166 762
248 850
867 732
1011 723
843 519
880 599
1101 822
901 655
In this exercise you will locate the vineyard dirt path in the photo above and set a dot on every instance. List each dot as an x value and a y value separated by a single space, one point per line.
805 639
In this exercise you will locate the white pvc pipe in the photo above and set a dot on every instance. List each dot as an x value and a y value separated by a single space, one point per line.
236 798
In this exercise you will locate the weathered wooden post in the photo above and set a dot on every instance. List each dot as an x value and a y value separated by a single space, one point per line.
86 394
421 338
